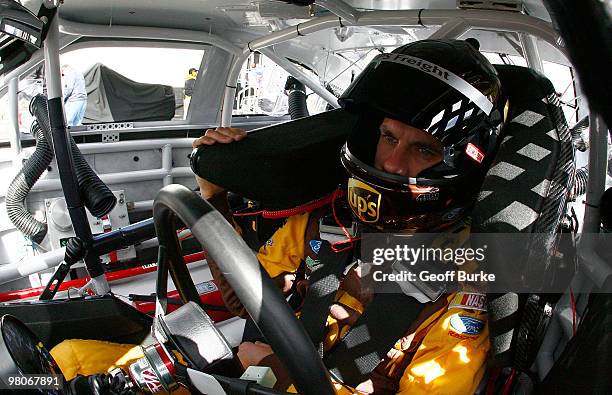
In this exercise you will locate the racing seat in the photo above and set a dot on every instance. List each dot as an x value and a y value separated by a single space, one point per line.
525 192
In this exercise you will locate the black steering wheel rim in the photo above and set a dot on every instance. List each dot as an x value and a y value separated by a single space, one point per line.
245 275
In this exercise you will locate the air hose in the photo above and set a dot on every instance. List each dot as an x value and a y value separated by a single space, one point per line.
297 98
95 194
23 182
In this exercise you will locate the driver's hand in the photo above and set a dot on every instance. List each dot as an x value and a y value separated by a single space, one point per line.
251 354
213 136
220 135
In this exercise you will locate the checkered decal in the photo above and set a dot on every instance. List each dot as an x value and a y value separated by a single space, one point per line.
449 117
527 185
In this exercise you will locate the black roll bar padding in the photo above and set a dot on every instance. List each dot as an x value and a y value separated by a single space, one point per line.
124 237
65 164
259 295
161 284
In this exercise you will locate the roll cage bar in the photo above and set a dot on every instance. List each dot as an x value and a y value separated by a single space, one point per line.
454 23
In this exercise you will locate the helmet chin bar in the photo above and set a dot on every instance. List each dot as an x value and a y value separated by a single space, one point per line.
389 202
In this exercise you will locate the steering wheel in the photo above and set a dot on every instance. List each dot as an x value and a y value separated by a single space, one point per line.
251 283
22 353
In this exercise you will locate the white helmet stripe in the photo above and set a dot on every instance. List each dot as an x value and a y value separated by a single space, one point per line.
443 75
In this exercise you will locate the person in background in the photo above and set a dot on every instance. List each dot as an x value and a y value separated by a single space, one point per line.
74 95
189 84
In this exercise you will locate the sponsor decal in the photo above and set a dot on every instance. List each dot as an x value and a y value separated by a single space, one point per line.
466 325
452 214
474 152
461 85
416 63
424 194
456 335
269 242
206 287
315 245
469 300
151 380
364 200
15 31
311 263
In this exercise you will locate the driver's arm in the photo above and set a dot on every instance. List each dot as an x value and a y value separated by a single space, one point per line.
273 259
280 256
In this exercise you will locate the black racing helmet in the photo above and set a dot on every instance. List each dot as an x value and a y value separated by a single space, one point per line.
446 88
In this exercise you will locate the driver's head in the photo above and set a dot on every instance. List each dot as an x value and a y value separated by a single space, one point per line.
430 117
405 150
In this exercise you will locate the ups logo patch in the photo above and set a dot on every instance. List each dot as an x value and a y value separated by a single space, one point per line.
364 200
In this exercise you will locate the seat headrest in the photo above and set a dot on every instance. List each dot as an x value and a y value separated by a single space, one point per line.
525 191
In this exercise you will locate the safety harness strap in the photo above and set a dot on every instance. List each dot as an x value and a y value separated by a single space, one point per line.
385 320
324 283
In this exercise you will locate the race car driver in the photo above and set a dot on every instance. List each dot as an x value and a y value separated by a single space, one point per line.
431 113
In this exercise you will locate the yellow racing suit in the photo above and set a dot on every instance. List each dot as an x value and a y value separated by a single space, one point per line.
445 354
